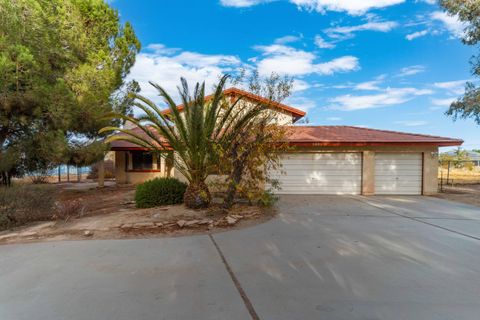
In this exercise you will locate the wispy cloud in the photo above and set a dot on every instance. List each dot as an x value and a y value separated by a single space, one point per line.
451 23
352 7
347 32
411 70
295 62
322 43
388 97
242 3
455 87
416 35
287 39
446 102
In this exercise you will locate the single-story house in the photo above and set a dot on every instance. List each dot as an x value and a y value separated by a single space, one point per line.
324 159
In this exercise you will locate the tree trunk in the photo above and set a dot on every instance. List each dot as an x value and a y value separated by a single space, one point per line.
197 195
234 180
101 173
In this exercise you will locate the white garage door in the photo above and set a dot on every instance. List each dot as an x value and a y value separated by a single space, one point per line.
398 173
320 173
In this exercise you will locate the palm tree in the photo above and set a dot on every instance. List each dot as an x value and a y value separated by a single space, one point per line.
197 135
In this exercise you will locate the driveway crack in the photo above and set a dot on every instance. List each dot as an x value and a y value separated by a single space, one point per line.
248 304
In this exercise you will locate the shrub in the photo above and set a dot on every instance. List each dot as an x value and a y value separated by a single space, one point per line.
69 209
159 191
26 203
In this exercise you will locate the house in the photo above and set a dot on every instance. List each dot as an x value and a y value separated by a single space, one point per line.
324 160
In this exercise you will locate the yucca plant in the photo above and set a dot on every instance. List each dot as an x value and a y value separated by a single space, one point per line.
197 135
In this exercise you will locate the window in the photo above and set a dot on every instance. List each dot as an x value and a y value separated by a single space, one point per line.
142 160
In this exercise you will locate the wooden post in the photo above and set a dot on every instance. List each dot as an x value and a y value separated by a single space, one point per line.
60 173
448 172
101 173
68 172
79 177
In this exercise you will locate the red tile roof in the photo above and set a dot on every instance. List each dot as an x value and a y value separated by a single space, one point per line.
318 136
235 92
348 135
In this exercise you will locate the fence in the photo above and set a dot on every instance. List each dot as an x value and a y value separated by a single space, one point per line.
458 172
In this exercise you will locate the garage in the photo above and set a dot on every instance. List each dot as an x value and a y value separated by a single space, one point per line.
319 173
398 173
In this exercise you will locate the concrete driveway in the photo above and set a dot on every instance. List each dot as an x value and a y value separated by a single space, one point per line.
323 257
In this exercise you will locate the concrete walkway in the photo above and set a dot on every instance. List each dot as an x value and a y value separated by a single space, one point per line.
323 257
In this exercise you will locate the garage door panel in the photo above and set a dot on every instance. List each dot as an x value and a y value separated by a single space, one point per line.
397 173
319 173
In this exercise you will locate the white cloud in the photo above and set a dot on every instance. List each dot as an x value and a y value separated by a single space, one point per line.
322 43
346 32
285 60
165 66
455 87
334 119
242 3
451 23
415 35
300 85
411 70
352 7
301 103
370 85
443 102
412 123
287 39
388 97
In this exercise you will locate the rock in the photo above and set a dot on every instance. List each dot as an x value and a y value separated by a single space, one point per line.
191 223
236 216
126 226
205 221
142 225
181 223
231 220
158 224
88 233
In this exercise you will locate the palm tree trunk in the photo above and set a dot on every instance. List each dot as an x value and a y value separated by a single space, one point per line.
197 195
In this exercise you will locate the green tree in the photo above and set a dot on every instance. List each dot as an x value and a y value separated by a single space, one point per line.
62 66
195 134
468 12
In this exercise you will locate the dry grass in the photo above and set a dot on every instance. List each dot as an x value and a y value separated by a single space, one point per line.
460 175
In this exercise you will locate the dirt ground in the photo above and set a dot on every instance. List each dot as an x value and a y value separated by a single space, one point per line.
469 194
110 213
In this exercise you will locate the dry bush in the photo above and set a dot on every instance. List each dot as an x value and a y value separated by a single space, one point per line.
21 204
68 209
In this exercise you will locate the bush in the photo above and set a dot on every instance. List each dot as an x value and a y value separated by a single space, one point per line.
159 191
26 203
68 209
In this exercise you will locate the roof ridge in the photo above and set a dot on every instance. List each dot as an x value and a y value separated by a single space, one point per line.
407 133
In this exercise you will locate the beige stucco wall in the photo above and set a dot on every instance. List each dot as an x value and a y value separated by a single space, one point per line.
430 166
129 177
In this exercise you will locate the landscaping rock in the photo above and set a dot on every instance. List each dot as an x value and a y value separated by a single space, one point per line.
143 225
158 224
205 221
231 220
181 223
191 223
88 233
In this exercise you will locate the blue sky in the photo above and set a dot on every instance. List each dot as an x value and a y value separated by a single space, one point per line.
384 64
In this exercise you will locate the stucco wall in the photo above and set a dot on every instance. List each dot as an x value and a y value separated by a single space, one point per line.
430 166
